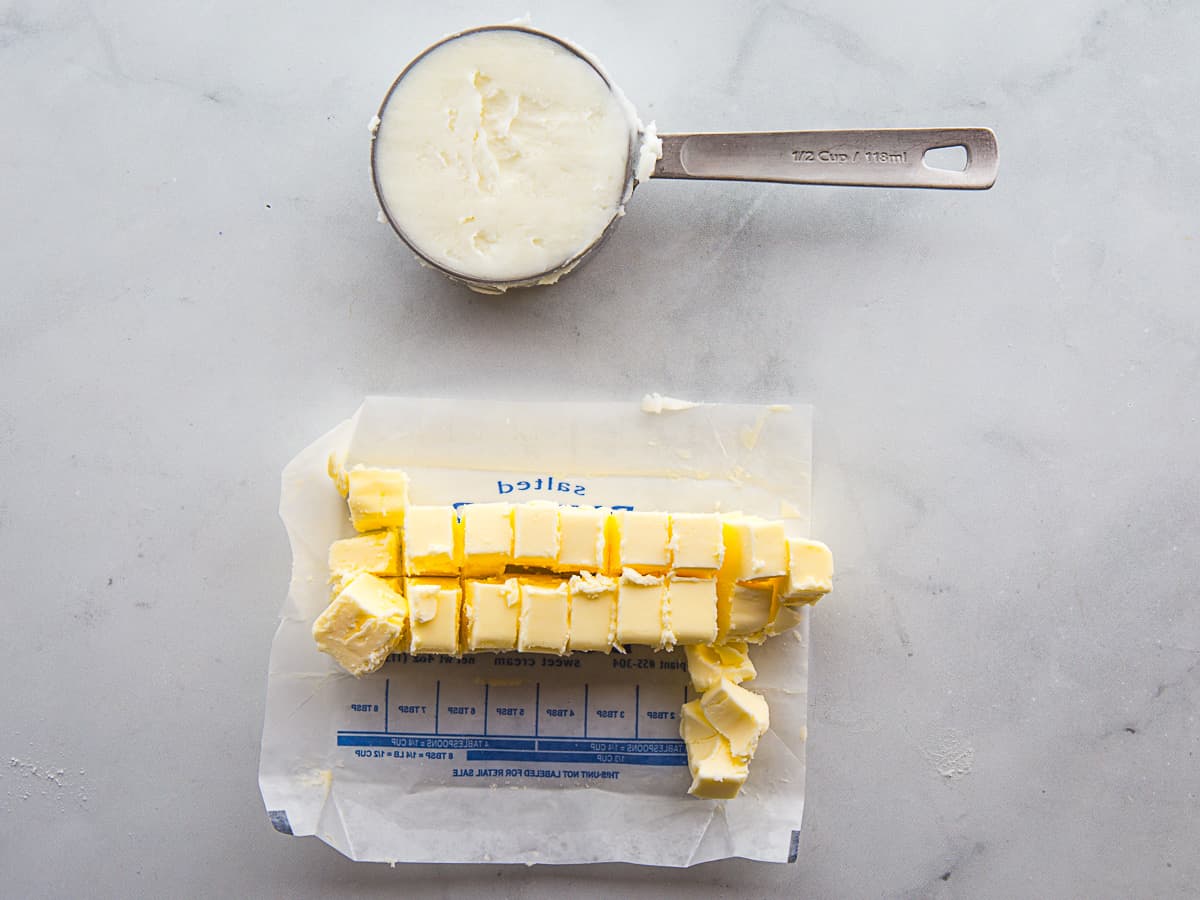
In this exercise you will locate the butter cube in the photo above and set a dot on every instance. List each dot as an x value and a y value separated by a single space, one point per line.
783 617
754 548
717 774
749 609
377 497
487 538
810 572
593 615
697 543
535 534
431 541
708 665
697 732
377 552
362 625
691 610
582 545
640 600
740 715
640 542
543 625
491 610
335 465
434 606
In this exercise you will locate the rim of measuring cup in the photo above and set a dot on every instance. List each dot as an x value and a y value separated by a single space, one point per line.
567 265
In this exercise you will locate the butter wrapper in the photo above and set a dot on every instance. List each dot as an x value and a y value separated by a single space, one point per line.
531 758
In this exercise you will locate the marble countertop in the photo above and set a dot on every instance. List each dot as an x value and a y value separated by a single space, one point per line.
1004 688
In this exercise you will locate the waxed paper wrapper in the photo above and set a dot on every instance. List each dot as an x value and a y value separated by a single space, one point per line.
398 799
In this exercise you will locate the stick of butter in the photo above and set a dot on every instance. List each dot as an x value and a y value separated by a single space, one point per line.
363 624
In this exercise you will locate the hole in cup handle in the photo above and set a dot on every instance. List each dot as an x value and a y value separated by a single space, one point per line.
952 158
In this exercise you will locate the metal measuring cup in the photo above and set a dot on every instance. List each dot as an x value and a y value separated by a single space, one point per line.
885 157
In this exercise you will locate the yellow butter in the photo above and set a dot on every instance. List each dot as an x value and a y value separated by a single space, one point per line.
640 541
739 714
810 571
582 539
697 543
754 548
717 774
431 541
783 617
691 610
434 606
376 497
535 534
376 552
749 609
491 610
593 612
487 538
697 732
640 600
708 665
544 620
335 465
363 624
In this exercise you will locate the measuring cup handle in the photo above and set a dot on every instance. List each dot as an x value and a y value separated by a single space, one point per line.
882 157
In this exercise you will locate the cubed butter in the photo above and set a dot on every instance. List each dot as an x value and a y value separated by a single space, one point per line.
434 605
754 548
708 665
593 613
640 541
640 600
362 625
739 714
535 534
491 610
697 732
376 552
335 465
487 538
750 609
582 539
691 610
544 620
430 541
783 617
717 774
377 497
810 571
697 543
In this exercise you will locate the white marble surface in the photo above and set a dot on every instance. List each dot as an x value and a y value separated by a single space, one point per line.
1005 687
